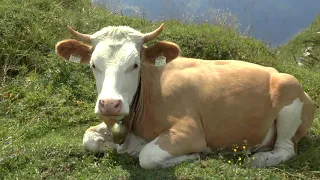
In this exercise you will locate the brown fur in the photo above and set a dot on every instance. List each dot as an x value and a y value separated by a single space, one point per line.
212 103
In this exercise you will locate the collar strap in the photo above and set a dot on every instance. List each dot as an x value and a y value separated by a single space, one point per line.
134 103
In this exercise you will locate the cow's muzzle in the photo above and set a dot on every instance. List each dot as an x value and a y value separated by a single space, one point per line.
110 107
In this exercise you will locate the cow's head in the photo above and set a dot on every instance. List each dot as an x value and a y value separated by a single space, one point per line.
114 55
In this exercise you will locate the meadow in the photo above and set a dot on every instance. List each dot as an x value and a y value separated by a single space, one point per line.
47 104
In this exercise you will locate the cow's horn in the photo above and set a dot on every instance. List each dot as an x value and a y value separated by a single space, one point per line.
83 37
152 35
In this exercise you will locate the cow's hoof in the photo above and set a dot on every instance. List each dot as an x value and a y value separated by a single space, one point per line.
257 160
264 159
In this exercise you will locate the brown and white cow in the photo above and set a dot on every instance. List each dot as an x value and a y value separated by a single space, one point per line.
178 107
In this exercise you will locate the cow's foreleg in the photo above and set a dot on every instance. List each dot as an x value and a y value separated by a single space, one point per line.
287 123
132 145
170 149
97 138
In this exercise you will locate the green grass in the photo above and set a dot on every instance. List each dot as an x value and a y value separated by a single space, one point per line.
46 104
298 44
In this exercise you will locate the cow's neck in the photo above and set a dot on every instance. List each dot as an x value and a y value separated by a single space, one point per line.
142 108
134 107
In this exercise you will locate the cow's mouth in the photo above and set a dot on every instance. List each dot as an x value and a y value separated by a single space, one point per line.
114 117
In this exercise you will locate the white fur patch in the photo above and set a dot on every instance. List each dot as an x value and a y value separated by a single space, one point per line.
116 32
116 53
114 73
152 156
289 120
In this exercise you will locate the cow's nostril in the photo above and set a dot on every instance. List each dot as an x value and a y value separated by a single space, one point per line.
118 103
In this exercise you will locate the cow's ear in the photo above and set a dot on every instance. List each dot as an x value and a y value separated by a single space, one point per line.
156 52
74 51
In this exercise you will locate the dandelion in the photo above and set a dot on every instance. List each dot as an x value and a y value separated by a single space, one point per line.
235 150
243 147
239 159
229 162
78 103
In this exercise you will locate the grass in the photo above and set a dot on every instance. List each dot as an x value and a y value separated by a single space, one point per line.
298 44
46 104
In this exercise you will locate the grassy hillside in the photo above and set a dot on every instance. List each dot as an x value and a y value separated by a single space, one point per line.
46 104
298 45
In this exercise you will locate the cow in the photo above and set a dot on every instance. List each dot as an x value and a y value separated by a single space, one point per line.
176 108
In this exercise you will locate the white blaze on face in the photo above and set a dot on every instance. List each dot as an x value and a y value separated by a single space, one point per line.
115 63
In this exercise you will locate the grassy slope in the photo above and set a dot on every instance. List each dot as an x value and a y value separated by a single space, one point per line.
46 104
297 45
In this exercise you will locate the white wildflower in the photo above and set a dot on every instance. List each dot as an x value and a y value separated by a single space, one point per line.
308 49
299 61
306 54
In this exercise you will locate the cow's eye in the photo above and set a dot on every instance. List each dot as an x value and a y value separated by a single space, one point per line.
135 66
92 66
